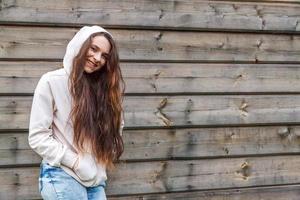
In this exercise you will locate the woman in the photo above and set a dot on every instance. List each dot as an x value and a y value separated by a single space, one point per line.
76 118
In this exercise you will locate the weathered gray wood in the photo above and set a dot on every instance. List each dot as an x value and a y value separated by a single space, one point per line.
148 111
159 14
50 43
14 150
22 77
135 45
177 143
290 192
265 1
170 176
276 2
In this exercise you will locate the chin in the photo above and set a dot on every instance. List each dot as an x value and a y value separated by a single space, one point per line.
89 70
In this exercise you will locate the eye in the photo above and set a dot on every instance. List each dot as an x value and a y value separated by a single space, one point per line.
93 49
105 55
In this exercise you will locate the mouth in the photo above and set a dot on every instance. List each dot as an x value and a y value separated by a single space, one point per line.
92 63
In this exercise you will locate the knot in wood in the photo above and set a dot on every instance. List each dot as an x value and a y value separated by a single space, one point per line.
283 131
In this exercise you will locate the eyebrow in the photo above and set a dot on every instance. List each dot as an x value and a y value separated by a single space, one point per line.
95 46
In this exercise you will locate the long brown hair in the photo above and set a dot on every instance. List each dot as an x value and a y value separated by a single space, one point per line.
97 105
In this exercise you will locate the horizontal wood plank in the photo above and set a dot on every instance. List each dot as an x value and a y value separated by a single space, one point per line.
180 14
141 45
155 78
165 111
290 192
171 176
177 143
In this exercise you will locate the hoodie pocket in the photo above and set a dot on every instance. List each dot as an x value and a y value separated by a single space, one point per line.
86 168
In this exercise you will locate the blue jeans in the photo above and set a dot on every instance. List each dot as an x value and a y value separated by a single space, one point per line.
56 184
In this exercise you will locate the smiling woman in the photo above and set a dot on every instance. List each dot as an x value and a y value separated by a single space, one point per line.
76 118
97 54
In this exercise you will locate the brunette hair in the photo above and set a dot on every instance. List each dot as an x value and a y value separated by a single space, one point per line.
97 104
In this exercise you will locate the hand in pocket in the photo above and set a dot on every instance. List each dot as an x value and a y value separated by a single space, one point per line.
85 167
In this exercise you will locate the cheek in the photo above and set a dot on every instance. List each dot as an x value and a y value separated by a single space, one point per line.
89 53
103 61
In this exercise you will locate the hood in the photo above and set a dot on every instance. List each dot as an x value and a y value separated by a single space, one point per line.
77 41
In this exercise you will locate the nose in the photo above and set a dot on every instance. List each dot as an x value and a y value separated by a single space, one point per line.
97 56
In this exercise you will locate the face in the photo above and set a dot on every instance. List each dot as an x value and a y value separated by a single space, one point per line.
97 54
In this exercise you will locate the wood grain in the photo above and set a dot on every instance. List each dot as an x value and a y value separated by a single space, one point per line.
173 78
148 45
171 176
290 192
164 144
169 111
179 14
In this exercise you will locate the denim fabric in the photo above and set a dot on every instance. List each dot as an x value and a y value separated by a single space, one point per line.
56 184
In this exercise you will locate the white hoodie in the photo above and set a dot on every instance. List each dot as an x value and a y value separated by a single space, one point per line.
50 129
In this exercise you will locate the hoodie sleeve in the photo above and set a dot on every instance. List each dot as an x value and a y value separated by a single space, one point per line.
41 138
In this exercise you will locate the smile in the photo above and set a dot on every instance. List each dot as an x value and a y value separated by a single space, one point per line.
92 63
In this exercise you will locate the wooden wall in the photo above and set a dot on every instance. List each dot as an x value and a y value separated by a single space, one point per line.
212 101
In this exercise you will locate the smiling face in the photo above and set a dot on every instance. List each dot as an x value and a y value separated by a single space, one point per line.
97 54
